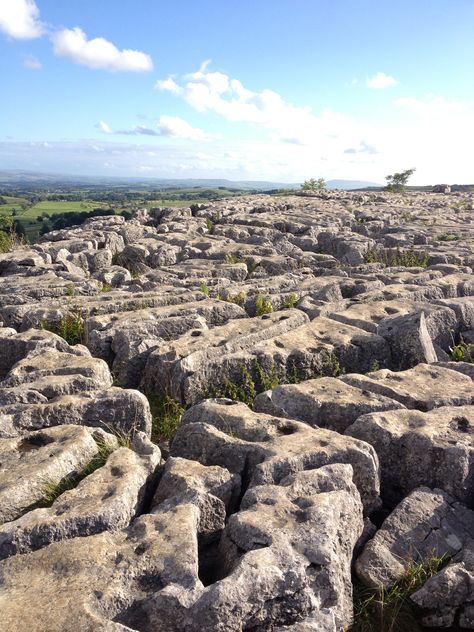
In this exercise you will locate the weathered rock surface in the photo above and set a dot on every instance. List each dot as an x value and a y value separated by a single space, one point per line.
448 597
424 387
434 449
107 499
426 523
338 315
325 402
31 463
265 449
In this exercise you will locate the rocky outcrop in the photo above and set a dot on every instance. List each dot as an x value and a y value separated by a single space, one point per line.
322 346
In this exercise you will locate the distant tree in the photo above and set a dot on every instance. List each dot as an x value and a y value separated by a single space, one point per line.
6 223
19 228
398 181
313 184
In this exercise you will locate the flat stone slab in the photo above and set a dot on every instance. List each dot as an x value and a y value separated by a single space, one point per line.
423 387
29 464
434 449
325 402
107 499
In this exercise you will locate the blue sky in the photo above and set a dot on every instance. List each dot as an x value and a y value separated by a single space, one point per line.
279 91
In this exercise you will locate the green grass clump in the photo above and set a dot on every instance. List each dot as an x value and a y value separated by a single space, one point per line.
390 609
247 385
462 352
53 490
106 287
237 299
397 258
263 306
166 414
233 259
204 289
447 237
71 327
291 301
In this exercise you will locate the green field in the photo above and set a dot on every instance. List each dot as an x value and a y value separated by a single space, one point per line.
23 204
51 208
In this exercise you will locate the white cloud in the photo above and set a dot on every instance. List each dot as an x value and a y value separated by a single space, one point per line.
98 53
20 19
229 98
169 126
31 63
104 127
175 127
380 81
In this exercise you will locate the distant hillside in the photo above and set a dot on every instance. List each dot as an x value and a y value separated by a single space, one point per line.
350 184
25 177
55 179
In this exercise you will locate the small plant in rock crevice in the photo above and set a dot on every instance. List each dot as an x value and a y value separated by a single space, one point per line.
291 301
204 289
166 415
462 352
391 609
71 327
396 257
53 490
263 306
447 237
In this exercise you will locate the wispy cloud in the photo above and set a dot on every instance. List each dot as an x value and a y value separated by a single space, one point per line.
31 63
168 126
98 53
175 127
380 80
20 19
104 127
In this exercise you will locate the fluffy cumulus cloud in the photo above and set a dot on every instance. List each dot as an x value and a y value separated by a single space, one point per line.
20 19
380 81
98 53
216 92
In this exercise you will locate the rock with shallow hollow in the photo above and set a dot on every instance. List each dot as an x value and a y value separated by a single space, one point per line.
265 449
325 402
107 499
434 449
423 387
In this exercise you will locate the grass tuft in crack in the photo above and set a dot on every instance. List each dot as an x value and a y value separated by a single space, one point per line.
391 609
53 490
166 414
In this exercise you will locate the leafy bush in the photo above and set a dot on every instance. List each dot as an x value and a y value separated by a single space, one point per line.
462 352
313 184
398 181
